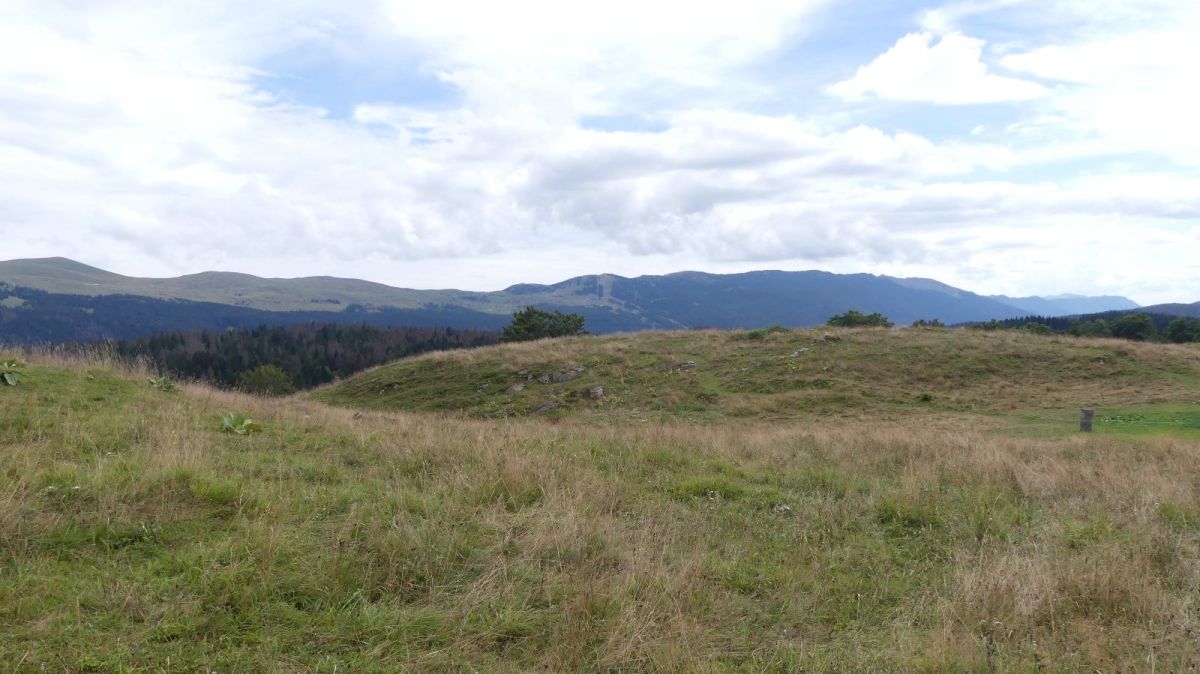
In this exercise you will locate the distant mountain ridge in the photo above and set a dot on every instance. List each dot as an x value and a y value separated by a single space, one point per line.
611 303
1068 305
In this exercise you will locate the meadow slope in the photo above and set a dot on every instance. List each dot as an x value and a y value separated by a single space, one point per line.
135 536
767 375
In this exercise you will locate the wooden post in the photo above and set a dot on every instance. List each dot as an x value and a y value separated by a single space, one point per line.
1085 420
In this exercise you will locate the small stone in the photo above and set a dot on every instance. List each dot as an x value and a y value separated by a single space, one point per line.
687 365
522 373
565 376
597 392
546 407
514 389
543 379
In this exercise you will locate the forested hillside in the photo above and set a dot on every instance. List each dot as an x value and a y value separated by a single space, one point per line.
310 354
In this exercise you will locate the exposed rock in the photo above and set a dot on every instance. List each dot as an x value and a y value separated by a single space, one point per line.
546 407
522 373
543 379
568 375
597 392
514 389
687 365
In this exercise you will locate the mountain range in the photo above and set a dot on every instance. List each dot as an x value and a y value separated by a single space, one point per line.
56 299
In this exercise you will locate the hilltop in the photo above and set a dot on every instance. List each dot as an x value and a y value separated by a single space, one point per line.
135 535
57 299
780 374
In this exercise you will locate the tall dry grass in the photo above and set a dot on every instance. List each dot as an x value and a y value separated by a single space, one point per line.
398 542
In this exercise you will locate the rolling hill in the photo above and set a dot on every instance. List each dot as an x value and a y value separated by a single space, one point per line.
845 526
1175 309
779 374
87 302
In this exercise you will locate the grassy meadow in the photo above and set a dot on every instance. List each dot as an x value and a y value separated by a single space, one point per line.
928 507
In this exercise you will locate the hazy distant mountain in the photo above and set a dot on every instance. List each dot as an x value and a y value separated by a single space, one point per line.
1068 305
58 299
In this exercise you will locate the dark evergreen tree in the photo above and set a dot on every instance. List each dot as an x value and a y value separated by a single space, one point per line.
532 323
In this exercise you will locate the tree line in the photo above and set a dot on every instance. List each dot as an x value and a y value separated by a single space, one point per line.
1135 326
305 355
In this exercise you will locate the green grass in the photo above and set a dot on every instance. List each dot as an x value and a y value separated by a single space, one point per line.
779 374
136 536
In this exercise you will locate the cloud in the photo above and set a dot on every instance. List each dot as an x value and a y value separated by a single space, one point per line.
948 72
149 138
1126 88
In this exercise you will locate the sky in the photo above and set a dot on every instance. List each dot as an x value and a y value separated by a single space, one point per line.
1003 146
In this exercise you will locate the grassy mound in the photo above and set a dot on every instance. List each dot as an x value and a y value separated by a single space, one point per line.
137 536
780 374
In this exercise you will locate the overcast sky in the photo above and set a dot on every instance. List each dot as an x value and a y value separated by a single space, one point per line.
999 145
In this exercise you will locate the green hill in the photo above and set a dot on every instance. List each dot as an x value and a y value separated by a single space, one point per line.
137 536
781 374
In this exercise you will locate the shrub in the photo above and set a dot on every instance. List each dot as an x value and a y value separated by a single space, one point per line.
922 323
532 323
11 372
761 333
857 319
1037 328
266 380
239 423
163 384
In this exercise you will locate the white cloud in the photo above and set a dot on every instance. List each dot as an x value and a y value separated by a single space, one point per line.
949 72
141 136
1130 89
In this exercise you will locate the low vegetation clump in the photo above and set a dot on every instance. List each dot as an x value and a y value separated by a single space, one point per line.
11 372
266 380
857 319
138 535
239 423
532 323
163 384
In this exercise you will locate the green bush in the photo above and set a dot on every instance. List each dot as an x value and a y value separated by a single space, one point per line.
1182 330
857 319
1138 327
266 380
532 323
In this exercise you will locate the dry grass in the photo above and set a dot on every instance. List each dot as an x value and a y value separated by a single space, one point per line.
134 534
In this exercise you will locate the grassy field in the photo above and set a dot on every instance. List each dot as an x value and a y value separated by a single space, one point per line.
772 528
773 375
